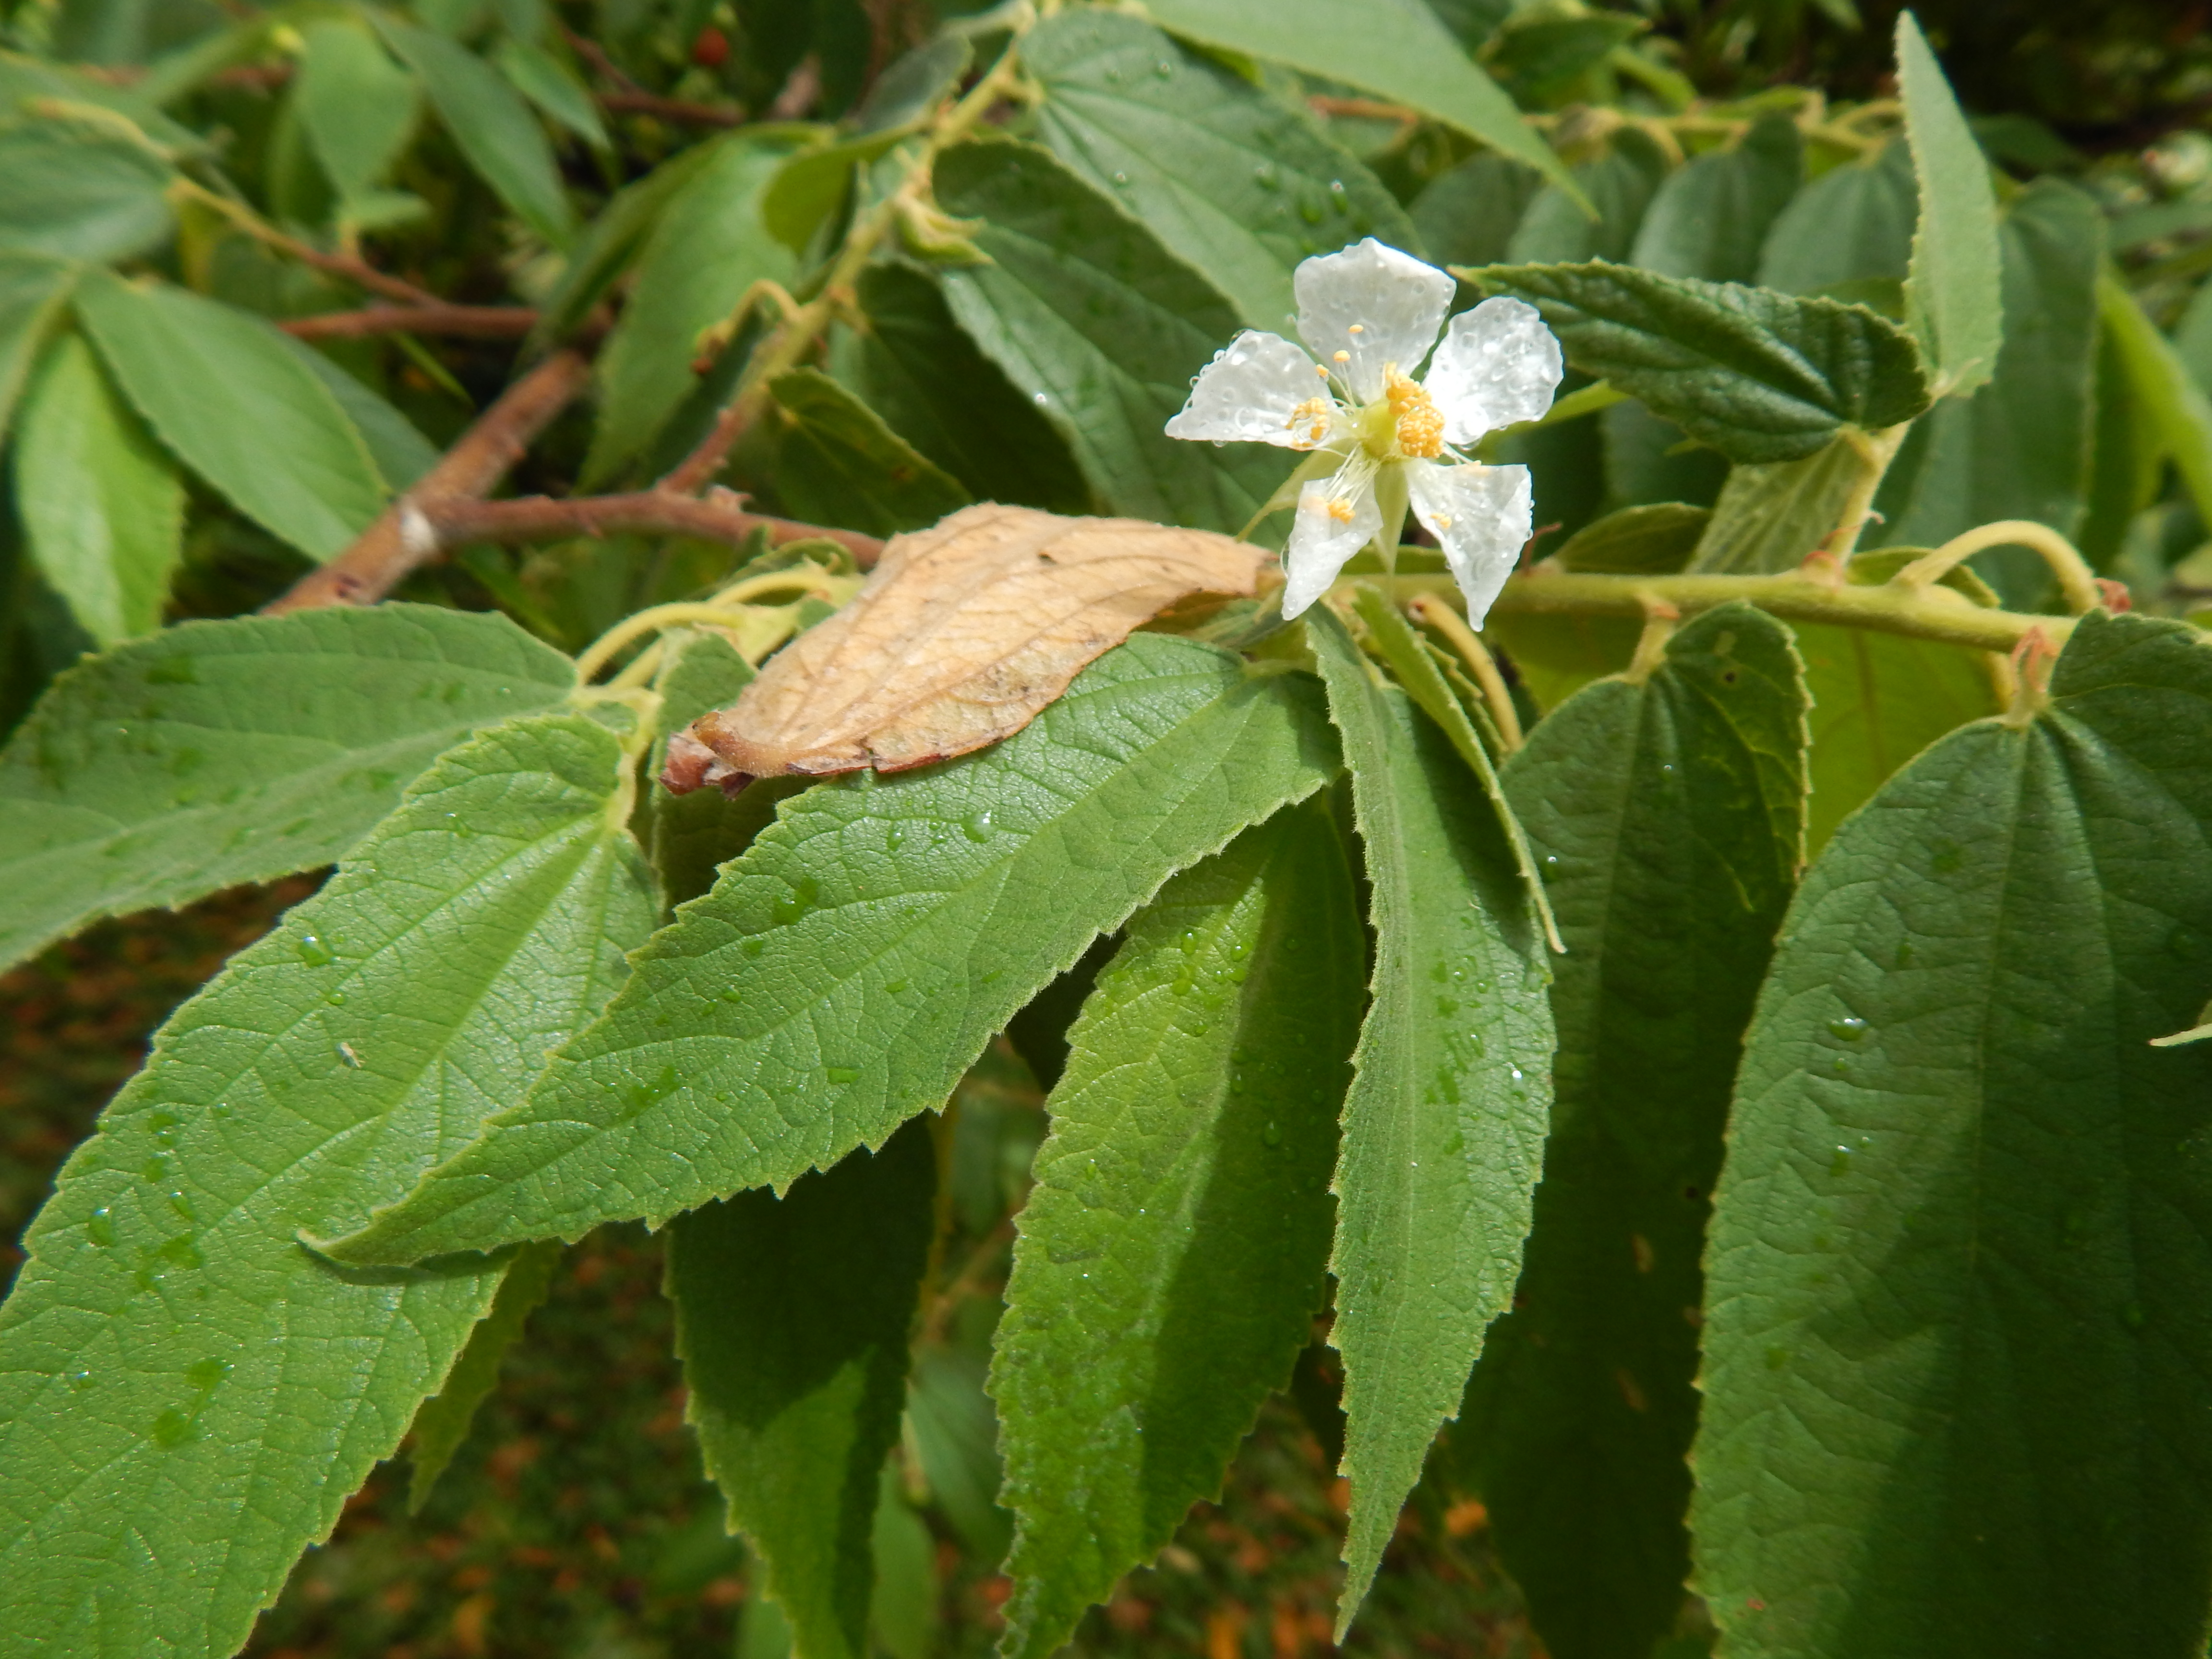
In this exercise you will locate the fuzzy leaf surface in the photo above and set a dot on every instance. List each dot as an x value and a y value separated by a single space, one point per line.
1760 376
1673 814
217 752
793 1317
1955 291
845 972
187 1396
1444 1123
1171 1253
1957 1338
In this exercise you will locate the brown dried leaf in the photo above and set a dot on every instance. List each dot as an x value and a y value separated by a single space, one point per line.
961 635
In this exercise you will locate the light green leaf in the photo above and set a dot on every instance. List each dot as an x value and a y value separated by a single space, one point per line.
1619 182
1171 1253
1443 1128
1771 519
707 246
791 1316
2023 451
398 446
225 392
442 1424
2176 410
79 192
612 240
838 464
1242 187
1670 813
1956 1342
551 85
1956 293
495 129
1759 376
911 363
844 972
218 752
186 1395
1710 218
34 292
1103 329
1849 232
1395 48
356 105
813 184
1654 540
101 507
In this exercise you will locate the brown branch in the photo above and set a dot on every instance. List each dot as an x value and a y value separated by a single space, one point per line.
669 109
719 516
472 322
402 537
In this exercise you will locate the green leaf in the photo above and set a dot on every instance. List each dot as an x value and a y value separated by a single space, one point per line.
1710 218
689 837
811 186
838 464
551 85
844 972
494 128
1956 1342
78 193
706 249
1395 48
1670 813
1655 540
1468 215
1103 329
186 1396
2178 411
1443 1128
1849 232
1770 519
441 1423
218 752
1542 57
791 1316
101 507
612 240
1172 1251
1759 376
1241 186
356 105
909 361
226 394
1956 293
2023 451
1619 182
956 1444
34 292
398 446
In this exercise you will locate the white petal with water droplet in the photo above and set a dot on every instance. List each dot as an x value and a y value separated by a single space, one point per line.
1498 365
1482 515
1320 541
1260 388
1374 303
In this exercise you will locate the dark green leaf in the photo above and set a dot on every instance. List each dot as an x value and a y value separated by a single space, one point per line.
102 509
1171 1253
32 293
1955 292
1851 226
707 248
612 241
1103 329
1761 376
186 1396
1242 187
400 450
838 464
494 128
846 970
1956 1349
1619 182
1712 218
1670 815
356 105
791 1316
551 85
690 837
1542 57
1657 540
1554 657
441 1423
1394 47
227 395
1468 215
218 752
956 1441
80 193
909 361
1443 1128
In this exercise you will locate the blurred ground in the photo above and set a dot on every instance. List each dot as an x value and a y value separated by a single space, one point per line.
575 1522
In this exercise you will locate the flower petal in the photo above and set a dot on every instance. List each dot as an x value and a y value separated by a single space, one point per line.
1260 389
1320 541
1482 515
1374 303
1499 364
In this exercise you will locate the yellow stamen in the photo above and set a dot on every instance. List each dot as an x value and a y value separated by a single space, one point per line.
1340 510
1313 414
1344 356
1420 422
1357 328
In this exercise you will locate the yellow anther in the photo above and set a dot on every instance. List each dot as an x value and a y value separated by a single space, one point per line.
1320 370
1357 328
1344 356
1420 422
1313 414
1443 523
1340 510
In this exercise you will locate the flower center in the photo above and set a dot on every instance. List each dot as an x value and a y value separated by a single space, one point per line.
1420 422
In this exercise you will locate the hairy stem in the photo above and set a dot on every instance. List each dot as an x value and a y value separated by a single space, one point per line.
2076 581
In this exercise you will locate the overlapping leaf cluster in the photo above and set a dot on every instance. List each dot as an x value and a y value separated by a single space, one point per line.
1815 1253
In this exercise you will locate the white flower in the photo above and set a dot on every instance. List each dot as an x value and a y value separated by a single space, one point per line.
1384 441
